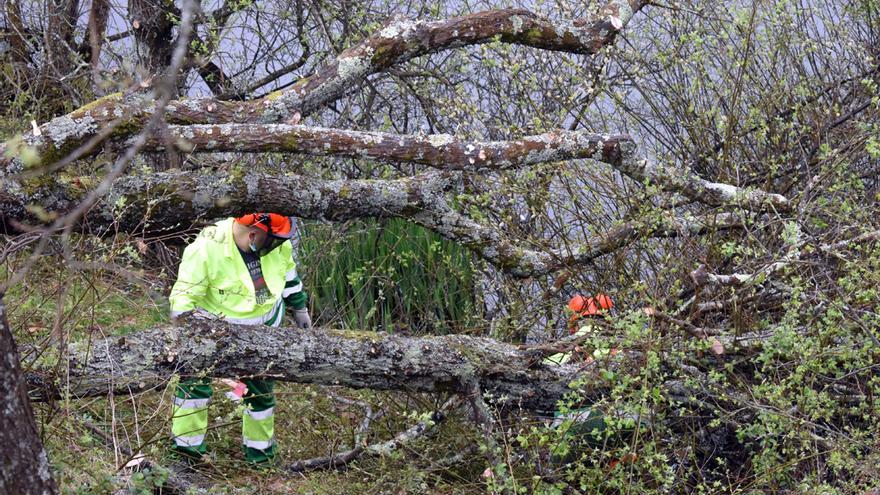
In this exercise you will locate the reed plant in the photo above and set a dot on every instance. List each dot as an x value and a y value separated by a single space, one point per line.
388 275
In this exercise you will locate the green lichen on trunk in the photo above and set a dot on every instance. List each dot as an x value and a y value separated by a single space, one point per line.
109 102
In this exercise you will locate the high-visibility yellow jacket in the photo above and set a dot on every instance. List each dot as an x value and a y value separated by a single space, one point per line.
213 277
564 357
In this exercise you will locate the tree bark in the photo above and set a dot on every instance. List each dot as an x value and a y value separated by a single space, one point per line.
97 26
442 151
19 52
161 201
58 41
508 377
152 23
24 466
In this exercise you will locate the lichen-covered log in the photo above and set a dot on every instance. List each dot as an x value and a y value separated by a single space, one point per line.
446 152
454 363
163 200
403 40
522 260
684 181
399 41
442 151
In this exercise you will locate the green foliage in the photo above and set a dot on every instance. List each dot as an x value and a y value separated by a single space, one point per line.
390 275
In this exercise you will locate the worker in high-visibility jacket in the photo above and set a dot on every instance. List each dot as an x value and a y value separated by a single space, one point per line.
582 309
583 425
240 270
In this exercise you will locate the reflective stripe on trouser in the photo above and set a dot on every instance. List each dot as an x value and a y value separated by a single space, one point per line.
258 421
189 420
189 416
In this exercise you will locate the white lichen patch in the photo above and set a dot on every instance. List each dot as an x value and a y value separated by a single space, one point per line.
277 129
438 140
196 104
624 12
584 34
350 68
517 23
563 28
202 200
541 156
371 138
63 129
252 182
531 259
725 191
396 28
628 147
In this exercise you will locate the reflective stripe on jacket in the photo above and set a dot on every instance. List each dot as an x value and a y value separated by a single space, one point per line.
213 277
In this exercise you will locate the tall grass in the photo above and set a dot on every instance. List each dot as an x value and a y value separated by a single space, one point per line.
387 275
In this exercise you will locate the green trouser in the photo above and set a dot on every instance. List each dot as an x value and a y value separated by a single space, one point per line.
583 429
189 418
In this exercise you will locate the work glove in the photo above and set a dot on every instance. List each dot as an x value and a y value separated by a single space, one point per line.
238 389
302 318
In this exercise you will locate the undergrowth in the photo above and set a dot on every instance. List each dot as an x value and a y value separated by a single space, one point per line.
88 440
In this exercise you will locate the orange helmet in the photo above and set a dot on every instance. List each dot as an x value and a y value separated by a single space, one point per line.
590 306
272 223
582 306
278 227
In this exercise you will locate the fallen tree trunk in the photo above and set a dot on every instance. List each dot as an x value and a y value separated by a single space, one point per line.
507 376
167 202
441 151
161 201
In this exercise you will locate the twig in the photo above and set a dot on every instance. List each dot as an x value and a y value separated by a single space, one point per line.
342 459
